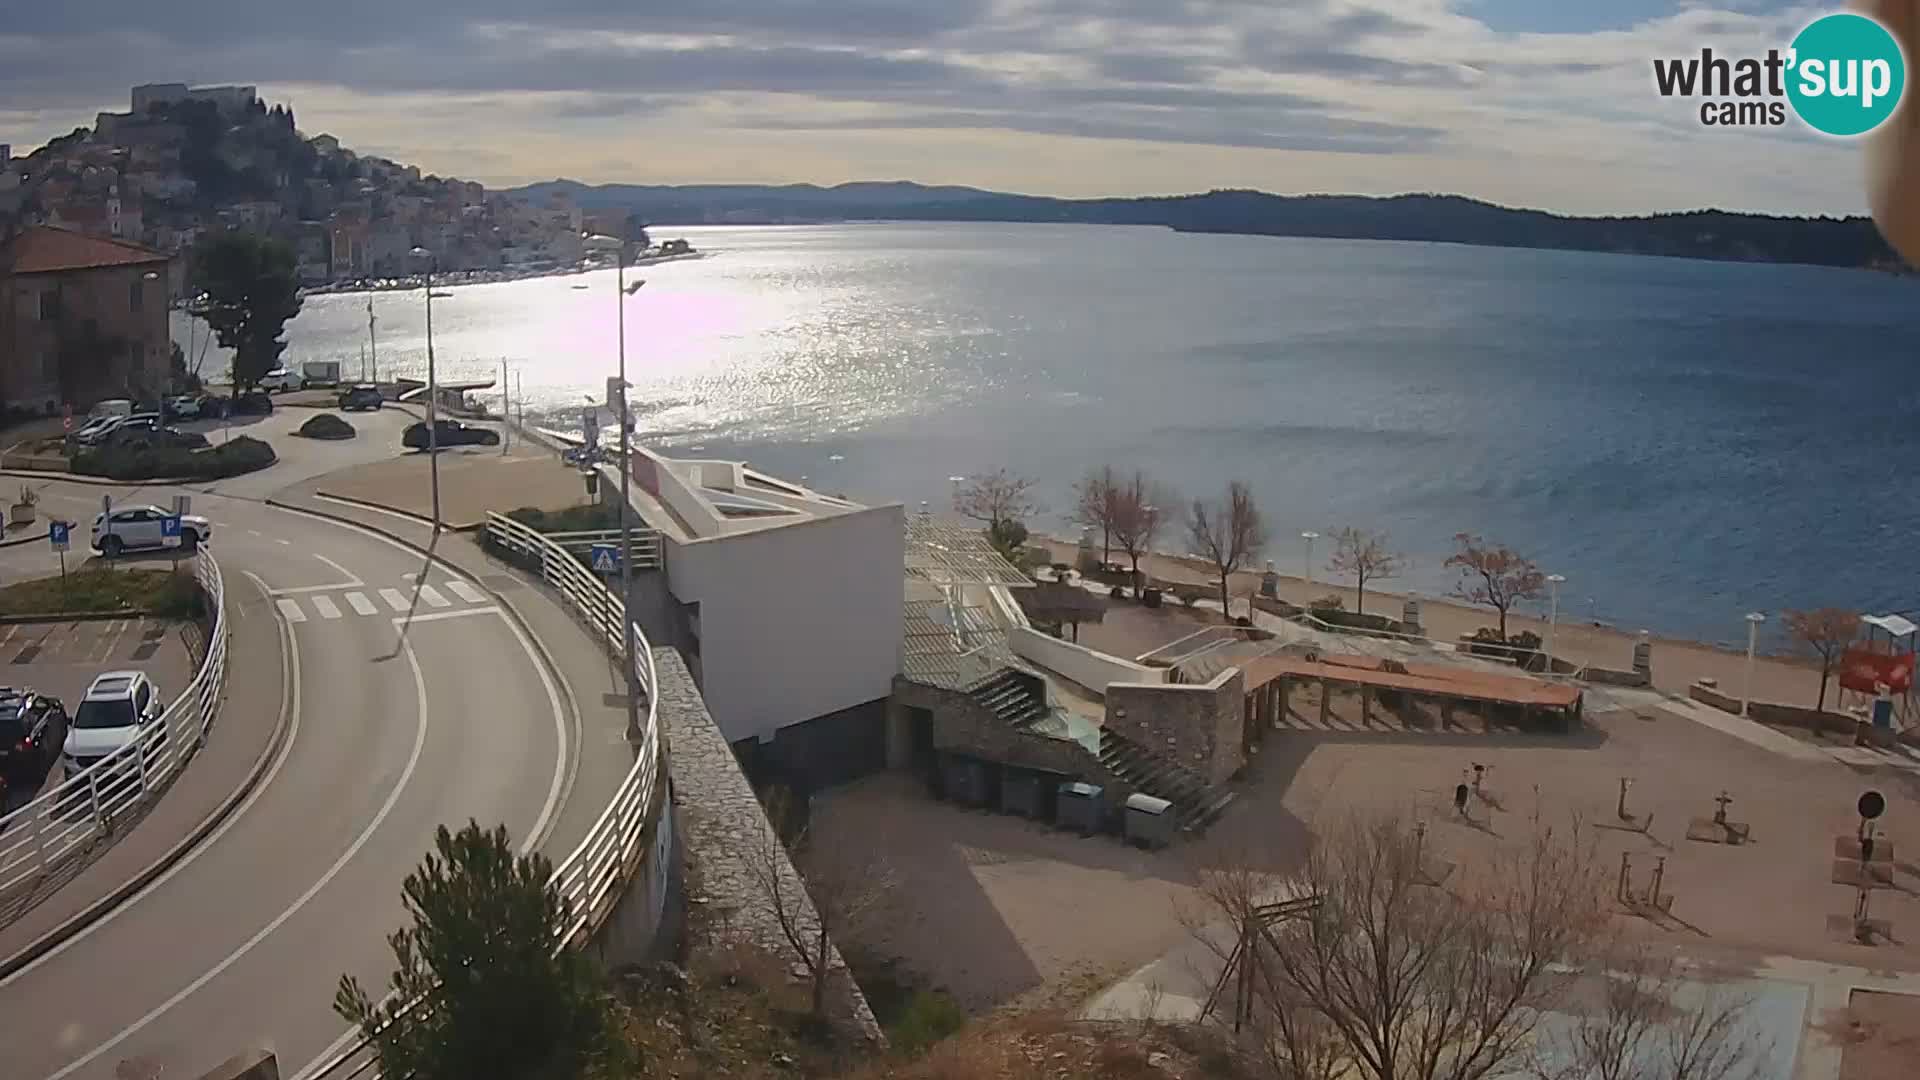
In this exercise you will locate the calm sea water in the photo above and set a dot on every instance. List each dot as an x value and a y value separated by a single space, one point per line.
1685 441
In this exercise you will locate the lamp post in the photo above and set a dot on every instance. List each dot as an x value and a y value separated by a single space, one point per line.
433 393
620 294
1306 567
1554 581
1754 619
956 481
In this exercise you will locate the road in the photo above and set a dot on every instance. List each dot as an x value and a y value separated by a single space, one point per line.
413 702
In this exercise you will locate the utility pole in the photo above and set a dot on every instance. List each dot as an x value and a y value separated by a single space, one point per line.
626 502
506 411
373 346
433 393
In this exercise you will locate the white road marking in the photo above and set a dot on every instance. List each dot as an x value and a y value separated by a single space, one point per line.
432 596
467 592
290 610
438 615
372 534
324 605
234 957
288 543
344 572
256 532
395 599
360 604
290 706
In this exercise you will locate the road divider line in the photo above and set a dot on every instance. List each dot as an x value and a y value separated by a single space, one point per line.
290 610
234 957
360 604
325 606
368 531
290 704
562 762
352 579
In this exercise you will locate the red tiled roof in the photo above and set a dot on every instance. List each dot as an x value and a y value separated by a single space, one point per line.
46 249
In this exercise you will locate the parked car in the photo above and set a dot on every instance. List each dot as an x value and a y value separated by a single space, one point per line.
361 396
183 407
113 710
448 433
101 431
33 728
279 381
153 433
110 407
133 527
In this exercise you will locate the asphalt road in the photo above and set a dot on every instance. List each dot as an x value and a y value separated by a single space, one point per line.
412 707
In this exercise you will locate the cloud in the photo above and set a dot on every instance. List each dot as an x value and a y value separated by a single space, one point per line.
1049 96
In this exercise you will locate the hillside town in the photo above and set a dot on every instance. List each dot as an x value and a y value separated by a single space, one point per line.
185 160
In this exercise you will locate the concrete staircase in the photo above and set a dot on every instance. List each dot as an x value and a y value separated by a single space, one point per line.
1196 804
1013 697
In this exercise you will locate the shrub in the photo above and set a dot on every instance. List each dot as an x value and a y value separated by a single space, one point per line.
1189 594
583 518
242 455
929 1016
1118 592
1329 602
326 426
179 598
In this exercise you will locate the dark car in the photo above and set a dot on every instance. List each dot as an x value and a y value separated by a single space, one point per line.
363 396
33 727
448 433
150 433
213 407
258 403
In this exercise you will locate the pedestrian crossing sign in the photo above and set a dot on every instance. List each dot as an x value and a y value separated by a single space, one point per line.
605 558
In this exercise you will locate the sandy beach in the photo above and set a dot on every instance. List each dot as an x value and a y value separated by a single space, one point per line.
1677 663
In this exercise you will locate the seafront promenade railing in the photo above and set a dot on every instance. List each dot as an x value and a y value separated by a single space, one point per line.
595 874
61 829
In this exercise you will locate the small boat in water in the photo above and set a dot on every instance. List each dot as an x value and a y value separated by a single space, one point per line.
582 286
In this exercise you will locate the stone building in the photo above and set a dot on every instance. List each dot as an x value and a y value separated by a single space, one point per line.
81 318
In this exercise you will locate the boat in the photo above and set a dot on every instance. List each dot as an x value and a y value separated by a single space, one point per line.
581 286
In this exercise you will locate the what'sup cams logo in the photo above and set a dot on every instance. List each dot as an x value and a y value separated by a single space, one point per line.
1843 75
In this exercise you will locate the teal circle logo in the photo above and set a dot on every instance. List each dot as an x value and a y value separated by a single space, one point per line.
1847 74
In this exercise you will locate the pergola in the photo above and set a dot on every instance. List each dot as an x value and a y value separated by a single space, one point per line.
949 642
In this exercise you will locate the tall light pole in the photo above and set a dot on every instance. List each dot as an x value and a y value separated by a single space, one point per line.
373 346
1554 581
433 393
1754 619
620 294
1306 567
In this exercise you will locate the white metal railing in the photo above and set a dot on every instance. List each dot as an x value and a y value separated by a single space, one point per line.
593 877
63 824
646 544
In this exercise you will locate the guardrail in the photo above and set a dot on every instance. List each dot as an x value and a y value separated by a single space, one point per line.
646 544
592 877
59 828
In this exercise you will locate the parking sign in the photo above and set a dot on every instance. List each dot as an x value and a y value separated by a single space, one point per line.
57 532
170 531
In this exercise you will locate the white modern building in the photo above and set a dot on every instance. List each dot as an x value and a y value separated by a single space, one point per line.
785 602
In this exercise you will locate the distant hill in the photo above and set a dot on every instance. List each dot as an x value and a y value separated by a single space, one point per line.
1699 234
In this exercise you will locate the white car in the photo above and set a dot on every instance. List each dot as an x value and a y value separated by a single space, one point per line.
279 381
140 527
182 407
115 709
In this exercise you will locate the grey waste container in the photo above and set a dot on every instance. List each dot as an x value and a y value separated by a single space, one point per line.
1020 794
1149 821
1079 807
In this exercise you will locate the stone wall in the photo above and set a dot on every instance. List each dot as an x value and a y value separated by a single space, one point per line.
1794 716
964 726
1199 726
719 817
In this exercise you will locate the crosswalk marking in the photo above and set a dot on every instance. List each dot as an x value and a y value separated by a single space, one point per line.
360 604
324 605
290 609
432 596
466 592
395 599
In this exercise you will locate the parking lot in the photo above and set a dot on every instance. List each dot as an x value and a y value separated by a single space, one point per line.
62 658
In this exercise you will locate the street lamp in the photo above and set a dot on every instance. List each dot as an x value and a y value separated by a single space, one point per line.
1306 566
1554 581
620 294
1754 619
433 392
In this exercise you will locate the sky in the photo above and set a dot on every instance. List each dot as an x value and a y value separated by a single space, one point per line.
1539 103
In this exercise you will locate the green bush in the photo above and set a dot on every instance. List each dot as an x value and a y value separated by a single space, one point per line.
179 598
583 518
326 426
928 1017
241 455
1329 602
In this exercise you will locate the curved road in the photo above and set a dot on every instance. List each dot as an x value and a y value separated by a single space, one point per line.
410 707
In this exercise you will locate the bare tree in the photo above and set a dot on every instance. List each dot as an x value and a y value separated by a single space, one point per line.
1095 501
1363 556
1362 968
1641 1031
996 499
1494 575
1826 633
1229 533
1139 511
828 891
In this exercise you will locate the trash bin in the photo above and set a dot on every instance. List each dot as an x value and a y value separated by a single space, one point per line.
1078 807
1149 821
1020 794
966 780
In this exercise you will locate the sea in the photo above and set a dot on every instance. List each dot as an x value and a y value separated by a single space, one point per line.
1684 441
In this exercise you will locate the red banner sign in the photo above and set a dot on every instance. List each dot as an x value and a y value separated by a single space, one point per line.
1867 671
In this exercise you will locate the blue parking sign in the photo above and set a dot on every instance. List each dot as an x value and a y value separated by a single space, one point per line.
57 532
170 530
605 558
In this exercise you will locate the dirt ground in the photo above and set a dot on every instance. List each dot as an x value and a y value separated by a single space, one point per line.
998 910
1881 1037
473 480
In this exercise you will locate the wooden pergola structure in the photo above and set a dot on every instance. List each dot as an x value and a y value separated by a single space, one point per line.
1269 678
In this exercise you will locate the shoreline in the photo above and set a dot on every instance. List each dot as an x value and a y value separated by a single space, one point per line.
452 279
1677 662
